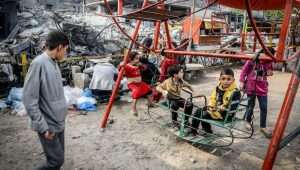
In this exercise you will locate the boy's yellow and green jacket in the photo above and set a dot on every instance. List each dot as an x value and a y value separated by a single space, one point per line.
220 98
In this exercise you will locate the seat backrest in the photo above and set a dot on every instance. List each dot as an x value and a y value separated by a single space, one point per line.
234 102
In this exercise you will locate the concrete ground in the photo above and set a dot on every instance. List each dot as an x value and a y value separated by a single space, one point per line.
138 143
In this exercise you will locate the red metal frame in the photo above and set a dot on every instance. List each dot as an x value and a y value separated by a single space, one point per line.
169 40
120 7
254 45
156 35
255 29
284 29
291 91
120 75
281 122
218 55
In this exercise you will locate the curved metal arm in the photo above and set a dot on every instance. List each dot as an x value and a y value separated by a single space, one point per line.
267 51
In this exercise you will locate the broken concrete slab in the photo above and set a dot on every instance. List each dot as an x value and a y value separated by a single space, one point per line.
13 33
29 32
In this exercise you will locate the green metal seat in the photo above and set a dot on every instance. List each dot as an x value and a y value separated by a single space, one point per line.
227 127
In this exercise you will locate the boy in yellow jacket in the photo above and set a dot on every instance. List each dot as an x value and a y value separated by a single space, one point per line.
219 101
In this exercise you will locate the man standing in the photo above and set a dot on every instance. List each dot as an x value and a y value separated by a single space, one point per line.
44 99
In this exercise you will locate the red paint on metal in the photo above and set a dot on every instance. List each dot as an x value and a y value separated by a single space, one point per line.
120 7
156 35
281 122
217 55
120 74
284 29
257 33
169 40
254 45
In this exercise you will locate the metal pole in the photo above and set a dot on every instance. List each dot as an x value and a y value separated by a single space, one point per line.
271 37
191 27
284 29
281 122
218 55
255 29
254 45
120 75
120 7
156 35
243 34
169 40
286 140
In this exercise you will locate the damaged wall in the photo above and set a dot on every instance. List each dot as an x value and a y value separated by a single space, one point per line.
28 3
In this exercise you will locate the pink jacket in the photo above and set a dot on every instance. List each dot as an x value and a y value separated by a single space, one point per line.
255 79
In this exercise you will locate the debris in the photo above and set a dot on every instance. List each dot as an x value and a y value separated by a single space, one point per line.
227 152
15 94
14 32
3 105
72 95
34 31
193 160
81 80
214 150
87 103
25 14
111 121
18 108
76 137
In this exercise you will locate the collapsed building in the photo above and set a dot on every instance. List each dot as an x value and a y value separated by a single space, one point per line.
24 28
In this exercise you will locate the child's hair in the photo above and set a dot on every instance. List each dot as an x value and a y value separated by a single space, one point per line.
227 71
174 69
56 38
133 55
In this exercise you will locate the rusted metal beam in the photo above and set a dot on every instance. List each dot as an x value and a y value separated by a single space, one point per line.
284 29
156 35
120 74
216 55
120 7
281 122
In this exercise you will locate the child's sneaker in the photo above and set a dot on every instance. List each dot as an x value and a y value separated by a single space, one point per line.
134 113
266 133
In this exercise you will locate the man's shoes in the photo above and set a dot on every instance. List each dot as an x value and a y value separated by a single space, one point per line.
266 133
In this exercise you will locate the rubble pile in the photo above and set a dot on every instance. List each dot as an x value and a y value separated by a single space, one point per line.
85 38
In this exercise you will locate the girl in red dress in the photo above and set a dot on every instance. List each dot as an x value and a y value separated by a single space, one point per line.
137 87
167 61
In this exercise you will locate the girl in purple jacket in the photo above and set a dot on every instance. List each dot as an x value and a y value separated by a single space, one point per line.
253 80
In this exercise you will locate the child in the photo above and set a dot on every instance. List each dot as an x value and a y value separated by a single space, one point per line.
135 84
165 64
171 89
253 79
219 100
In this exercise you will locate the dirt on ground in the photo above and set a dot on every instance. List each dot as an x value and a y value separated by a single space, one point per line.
138 143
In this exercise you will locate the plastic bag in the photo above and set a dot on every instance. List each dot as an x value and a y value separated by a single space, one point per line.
3 105
87 93
87 103
18 108
72 94
15 94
